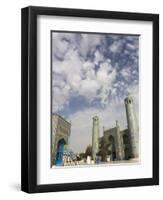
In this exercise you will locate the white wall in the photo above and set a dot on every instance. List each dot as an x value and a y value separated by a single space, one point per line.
10 80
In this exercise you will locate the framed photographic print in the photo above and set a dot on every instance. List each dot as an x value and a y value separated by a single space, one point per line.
90 99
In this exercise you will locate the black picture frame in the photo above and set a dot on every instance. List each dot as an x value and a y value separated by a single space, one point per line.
29 98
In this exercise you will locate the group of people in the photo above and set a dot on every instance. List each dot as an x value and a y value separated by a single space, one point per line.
71 159
77 160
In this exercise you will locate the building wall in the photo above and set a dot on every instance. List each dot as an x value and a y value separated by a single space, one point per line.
61 129
120 139
113 142
126 144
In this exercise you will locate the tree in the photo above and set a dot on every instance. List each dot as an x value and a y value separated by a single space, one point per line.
88 151
82 155
104 151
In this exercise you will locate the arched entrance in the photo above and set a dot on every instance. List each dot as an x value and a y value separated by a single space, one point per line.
112 148
127 153
60 152
126 147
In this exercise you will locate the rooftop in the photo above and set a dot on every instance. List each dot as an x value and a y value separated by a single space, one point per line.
56 114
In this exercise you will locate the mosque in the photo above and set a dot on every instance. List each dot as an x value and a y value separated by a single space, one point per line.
114 145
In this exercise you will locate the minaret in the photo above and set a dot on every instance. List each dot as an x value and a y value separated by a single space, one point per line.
119 149
132 126
95 137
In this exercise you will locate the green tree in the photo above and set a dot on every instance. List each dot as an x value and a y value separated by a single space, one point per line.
82 155
104 151
88 151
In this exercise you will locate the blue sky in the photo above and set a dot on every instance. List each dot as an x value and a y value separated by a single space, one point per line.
92 74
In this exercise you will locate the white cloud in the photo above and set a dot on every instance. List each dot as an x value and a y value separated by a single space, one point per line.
125 72
89 89
98 57
59 45
89 70
60 97
75 75
82 78
66 74
130 46
115 46
88 42
106 74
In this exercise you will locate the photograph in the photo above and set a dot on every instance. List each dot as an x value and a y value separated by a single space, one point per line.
95 99
90 99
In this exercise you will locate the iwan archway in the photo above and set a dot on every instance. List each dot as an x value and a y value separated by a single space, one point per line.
60 152
112 148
